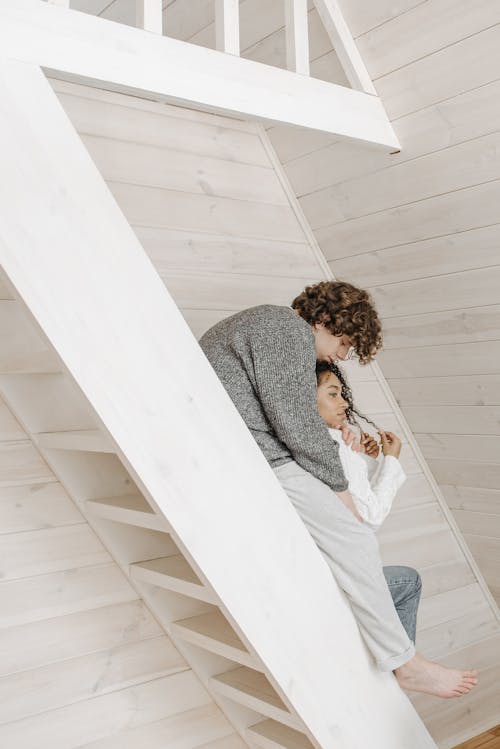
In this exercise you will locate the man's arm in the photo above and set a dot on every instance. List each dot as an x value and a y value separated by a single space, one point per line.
284 362
347 499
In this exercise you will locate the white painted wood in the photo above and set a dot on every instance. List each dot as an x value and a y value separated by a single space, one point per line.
60 593
413 36
30 31
269 734
31 506
438 641
450 574
227 26
94 719
343 43
199 727
24 351
470 208
454 168
445 292
53 686
453 326
468 250
37 644
448 360
471 498
483 475
131 509
297 36
413 245
92 440
150 206
213 632
101 97
50 550
172 573
468 446
447 606
415 86
449 420
89 6
173 250
230 291
10 428
145 165
292 142
47 402
251 688
149 15
129 394
21 464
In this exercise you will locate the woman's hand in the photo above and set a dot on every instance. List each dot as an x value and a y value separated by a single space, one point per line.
391 445
350 439
370 445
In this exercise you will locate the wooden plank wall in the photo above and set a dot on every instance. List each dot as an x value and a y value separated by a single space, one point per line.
203 194
82 660
420 229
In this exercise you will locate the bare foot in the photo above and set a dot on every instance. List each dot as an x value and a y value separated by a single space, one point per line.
421 675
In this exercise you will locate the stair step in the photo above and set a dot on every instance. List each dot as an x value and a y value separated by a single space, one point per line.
213 632
90 440
129 509
251 688
269 734
172 573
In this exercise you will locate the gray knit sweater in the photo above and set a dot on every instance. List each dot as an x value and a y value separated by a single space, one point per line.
265 358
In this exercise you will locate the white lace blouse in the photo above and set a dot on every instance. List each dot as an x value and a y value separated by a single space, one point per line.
372 483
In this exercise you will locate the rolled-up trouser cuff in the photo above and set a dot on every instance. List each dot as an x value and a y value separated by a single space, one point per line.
389 664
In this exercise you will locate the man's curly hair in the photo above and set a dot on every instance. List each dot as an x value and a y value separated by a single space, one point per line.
344 310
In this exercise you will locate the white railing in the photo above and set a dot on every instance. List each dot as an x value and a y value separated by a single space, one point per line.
149 16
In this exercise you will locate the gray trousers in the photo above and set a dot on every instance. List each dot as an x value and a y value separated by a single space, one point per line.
352 552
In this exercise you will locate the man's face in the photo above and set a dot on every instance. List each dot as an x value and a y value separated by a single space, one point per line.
329 347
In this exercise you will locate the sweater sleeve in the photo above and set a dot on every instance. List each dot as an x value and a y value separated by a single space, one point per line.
284 368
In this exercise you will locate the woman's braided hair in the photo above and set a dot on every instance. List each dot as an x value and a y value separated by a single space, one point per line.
351 411
344 310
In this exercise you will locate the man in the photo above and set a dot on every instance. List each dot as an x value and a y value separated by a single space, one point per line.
266 359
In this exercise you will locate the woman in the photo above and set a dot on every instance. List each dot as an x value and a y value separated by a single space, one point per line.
373 485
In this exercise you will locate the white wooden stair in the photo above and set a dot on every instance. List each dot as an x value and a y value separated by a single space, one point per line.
172 573
269 734
252 689
129 509
213 632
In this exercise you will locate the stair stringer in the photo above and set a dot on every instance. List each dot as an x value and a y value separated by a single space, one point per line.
72 258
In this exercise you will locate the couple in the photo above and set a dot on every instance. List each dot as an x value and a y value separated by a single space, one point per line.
266 359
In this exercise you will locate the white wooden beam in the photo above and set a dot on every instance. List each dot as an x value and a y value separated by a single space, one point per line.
227 26
344 45
86 49
297 36
148 14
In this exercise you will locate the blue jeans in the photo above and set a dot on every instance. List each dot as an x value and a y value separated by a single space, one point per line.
405 586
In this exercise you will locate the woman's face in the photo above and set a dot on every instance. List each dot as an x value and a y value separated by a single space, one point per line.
331 405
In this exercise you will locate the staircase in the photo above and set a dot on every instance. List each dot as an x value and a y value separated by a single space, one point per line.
107 379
